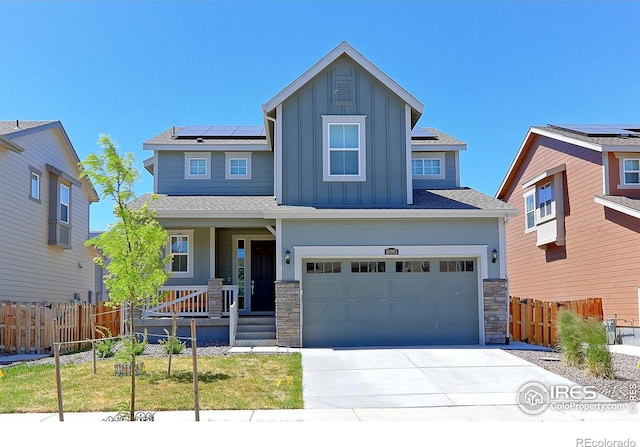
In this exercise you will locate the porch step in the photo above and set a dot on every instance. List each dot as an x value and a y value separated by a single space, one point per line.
256 331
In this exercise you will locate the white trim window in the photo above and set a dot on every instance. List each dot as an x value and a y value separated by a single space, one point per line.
65 201
425 165
197 165
530 211
631 171
237 165
546 205
34 184
181 247
344 148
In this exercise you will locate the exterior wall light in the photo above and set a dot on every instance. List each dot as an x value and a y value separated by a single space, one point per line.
494 255
287 257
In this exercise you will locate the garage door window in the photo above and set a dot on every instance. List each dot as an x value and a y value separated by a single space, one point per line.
367 267
324 267
456 266
412 267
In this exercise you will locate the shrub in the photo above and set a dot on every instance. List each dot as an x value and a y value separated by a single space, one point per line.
583 342
172 345
132 347
597 355
107 347
570 337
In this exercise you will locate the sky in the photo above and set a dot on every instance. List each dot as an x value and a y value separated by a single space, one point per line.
485 70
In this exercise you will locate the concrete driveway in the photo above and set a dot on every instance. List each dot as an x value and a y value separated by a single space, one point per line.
416 377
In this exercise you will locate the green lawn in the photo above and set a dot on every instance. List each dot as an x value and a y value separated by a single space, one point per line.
245 381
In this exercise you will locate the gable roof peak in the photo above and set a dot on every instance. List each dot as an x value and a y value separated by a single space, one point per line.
344 48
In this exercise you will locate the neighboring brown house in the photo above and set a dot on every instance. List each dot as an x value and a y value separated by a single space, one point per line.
578 231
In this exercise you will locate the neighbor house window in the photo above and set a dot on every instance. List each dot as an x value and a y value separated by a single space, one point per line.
530 210
181 248
545 201
64 203
197 165
631 171
427 165
34 186
238 166
344 151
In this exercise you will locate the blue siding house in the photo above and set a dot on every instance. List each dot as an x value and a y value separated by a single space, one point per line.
338 221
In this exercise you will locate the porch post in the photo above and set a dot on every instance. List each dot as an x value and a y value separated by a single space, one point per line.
496 310
288 314
214 297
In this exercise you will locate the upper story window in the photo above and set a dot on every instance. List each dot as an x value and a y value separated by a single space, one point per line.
181 247
631 167
344 149
237 166
546 207
530 210
427 165
197 165
34 184
64 203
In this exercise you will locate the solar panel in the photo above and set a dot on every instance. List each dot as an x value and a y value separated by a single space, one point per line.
602 130
192 131
221 132
421 132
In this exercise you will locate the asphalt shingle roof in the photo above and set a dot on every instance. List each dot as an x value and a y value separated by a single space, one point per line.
9 127
628 202
435 199
602 140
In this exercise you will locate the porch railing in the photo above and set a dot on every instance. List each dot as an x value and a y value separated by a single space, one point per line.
185 301
229 296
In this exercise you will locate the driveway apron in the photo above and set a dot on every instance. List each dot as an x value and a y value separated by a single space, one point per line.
411 377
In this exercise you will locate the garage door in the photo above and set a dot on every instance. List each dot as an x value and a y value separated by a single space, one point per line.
402 302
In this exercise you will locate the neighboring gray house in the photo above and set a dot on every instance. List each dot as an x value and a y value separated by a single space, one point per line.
45 216
340 217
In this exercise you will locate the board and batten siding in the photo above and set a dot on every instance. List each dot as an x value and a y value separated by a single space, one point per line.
30 269
302 145
391 233
171 178
600 258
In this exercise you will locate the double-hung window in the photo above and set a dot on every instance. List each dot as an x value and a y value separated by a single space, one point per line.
64 203
344 149
530 210
181 248
545 201
631 168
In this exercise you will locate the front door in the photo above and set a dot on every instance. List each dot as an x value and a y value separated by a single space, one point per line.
263 271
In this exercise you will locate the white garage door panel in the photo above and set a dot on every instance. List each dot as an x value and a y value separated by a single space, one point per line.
389 308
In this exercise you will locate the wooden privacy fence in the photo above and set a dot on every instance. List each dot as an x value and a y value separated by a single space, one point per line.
534 321
27 327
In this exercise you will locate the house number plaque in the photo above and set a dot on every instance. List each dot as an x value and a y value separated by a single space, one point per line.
391 251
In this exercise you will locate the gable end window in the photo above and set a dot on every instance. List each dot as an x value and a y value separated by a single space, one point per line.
64 196
181 247
546 204
34 184
197 165
237 165
344 148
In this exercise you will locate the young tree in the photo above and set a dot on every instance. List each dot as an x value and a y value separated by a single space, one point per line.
133 245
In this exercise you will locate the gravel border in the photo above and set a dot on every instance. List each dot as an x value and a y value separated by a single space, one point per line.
623 388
